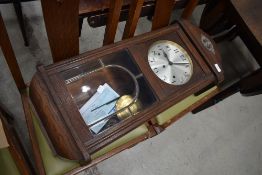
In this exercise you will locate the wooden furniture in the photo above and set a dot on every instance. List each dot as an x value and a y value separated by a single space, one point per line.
40 147
9 53
19 15
15 71
244 15
248 20
57 96
45 161
239 18
11 167
63 27
96 12
13 159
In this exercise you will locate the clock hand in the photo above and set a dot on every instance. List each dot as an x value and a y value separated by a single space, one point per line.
180 63
165 55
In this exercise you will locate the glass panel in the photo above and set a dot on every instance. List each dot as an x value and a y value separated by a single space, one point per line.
121 60
146 95
108 90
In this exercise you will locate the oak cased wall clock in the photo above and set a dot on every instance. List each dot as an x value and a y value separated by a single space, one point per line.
88 101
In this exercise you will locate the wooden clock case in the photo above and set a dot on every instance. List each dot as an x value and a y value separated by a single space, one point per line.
57 103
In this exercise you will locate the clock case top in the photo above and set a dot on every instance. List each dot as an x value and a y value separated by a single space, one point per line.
61 121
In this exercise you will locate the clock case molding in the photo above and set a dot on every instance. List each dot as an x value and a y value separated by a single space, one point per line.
61 121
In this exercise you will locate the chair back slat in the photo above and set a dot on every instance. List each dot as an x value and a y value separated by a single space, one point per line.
133 16
162 14
61 22
10 56
189 9
112 21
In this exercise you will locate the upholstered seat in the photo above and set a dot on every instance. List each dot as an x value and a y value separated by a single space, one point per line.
173 111
55 165
128 137
7 163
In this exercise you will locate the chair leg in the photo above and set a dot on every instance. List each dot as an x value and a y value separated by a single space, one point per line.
230 35
219 97
81 20
19 15
251 85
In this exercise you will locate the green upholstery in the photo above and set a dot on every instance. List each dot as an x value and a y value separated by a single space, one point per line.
55 165
126 138
170 113
7 164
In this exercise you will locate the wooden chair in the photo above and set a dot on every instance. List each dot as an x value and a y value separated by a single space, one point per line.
46 162
13 159
43 156
63 27
19 15
236 18
96 12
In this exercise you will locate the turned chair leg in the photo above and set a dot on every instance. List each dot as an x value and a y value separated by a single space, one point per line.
81 20
19 15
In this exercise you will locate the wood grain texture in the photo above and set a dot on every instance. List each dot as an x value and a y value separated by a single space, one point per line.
189 9
72 123
10 56
45 107
250 12
112 21
32 136
212 15
166 95
133 16
15 146
162 14
247 15
97 11
61 22
196 35
89 7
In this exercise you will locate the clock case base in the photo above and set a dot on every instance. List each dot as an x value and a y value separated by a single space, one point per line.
70 137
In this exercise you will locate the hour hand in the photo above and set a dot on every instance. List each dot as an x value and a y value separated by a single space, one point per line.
165 55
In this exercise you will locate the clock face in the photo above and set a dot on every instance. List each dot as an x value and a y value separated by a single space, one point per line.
170 62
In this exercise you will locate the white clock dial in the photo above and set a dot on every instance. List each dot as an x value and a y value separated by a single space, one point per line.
170 62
